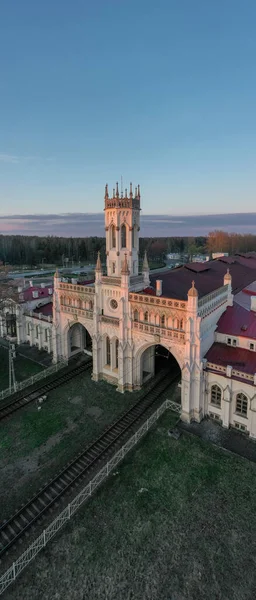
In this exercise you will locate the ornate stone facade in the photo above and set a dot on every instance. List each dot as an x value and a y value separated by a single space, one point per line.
118 321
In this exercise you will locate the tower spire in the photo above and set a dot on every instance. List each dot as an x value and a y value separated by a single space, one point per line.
106 191
131 191
98 264
145 266
117 192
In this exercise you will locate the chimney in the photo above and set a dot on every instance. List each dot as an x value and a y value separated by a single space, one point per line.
42 285
253 303
159 287
31 283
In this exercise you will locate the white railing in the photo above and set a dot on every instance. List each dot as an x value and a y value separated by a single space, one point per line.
34 315
27 382
21 563
212 301
158 330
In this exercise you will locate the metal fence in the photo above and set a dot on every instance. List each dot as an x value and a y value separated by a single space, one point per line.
17 567
34 378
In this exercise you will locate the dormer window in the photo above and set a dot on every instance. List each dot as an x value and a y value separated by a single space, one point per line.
50 291
35 294
251 346
231 342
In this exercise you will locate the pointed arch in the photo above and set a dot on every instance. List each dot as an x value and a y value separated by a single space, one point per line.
112 236
108 351
123 236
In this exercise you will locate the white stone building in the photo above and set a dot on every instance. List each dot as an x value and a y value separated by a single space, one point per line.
126 320
28 318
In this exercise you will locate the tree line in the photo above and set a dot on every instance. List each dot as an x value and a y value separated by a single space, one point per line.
34 250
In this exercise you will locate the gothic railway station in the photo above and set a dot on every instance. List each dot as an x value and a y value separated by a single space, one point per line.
195 317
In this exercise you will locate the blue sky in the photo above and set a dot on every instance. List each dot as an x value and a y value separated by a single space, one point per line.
162 93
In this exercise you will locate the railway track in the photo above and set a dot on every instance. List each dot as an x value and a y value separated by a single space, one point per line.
79 468
24 397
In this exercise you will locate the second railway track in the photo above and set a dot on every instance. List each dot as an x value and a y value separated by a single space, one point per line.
23 398
78 469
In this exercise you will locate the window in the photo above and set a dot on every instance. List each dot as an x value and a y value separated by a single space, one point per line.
108 351
133 237
146 316
251 346
90 305
35 294
163 320
216 395
37 331
46 335
181 324
234 343
123 236
229 341
241 405
117 344
28 328
113 237
113 268
240 427
50 291
136 315
113 304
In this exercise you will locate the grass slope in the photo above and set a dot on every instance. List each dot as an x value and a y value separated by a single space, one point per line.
176 522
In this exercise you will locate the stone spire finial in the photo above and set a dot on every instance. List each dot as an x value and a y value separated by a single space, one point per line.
139 191
193 291
98 264
145 266
106 191
135 192
125 267
131 191
117 192
125 194
227 277
56 274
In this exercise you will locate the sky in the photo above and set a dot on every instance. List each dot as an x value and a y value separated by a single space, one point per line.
161 93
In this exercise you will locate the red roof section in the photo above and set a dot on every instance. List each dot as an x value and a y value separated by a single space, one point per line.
45 310
238 358
43 292
238 321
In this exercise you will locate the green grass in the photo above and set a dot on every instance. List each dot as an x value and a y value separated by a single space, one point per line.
189 535
34 444
23 368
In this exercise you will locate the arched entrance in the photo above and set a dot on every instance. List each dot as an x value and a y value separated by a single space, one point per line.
79 340
157 358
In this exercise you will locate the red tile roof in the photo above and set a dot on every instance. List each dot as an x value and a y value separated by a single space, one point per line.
238 358
238 321
45 310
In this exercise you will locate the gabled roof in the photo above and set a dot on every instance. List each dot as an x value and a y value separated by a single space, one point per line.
238 321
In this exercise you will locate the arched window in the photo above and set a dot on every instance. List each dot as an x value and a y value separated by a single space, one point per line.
90 305
28 328
135 315
117 344
181 324
163 320
146 316
123 236
79 303
108 351
241 404
133 237
37 331
216 395
113 237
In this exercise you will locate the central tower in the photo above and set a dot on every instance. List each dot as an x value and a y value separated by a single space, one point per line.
122 224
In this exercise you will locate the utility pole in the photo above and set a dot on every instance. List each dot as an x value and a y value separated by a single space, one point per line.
12 378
